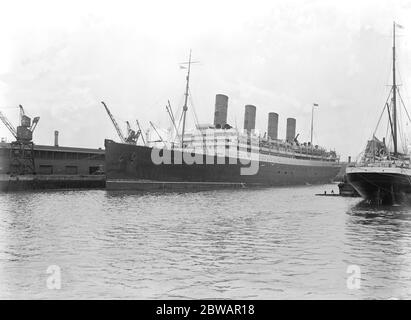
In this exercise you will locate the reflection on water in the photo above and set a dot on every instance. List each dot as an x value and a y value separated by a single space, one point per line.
267 244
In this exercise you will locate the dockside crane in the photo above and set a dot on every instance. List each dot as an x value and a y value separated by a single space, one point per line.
140 132
22 112
161 139
128 127
21 150
24 132
34 124
132 136
120 134
171 114
8 125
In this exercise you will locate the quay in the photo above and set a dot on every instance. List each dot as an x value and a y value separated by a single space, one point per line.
43 167
49 182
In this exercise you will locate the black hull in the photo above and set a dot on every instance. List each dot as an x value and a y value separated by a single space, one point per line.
131 162
382 188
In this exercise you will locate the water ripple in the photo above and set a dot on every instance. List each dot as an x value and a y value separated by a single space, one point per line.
241 244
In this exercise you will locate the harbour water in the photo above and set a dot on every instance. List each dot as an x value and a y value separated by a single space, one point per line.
275 243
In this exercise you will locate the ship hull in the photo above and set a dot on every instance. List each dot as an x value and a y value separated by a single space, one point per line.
126 163
381 185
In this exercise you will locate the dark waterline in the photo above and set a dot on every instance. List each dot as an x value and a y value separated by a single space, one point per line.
241 244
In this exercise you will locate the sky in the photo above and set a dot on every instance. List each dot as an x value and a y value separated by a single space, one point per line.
60 59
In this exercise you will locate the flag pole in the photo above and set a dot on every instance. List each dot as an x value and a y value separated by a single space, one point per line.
312 122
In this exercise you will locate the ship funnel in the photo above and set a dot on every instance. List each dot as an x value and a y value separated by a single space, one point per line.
220 113
291 124
272 129
56 138
290 135
249 117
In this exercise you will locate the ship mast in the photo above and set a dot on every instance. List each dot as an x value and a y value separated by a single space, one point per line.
394 95
185 100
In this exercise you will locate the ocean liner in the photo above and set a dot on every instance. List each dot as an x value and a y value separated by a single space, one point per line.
218 155
383 174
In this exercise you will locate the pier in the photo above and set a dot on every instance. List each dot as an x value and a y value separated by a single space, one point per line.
49 182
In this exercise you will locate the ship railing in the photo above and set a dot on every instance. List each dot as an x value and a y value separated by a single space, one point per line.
287 148
385 164
278 150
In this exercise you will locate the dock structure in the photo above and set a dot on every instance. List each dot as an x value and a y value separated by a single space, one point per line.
25 165
55 167
50 160
50 182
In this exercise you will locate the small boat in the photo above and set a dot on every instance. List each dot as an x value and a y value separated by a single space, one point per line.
325 194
